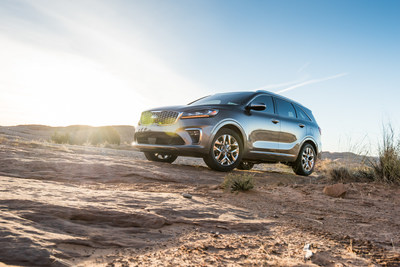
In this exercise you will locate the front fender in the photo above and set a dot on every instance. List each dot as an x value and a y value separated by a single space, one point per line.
232 123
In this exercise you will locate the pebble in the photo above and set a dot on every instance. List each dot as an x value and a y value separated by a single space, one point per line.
186 195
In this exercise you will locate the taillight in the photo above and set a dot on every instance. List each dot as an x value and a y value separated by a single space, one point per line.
320 132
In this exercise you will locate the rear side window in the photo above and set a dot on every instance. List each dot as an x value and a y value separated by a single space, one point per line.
267 100
301 114
285 108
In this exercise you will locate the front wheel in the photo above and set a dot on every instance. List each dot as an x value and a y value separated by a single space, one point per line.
226 151
160 157
305 162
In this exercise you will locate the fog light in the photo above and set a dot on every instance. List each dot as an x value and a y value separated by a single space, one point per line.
194 135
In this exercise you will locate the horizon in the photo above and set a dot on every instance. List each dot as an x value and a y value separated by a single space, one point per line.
100 63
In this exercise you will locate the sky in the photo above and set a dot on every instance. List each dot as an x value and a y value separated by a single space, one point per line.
103 62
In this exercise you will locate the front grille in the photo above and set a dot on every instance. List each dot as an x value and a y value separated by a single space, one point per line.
158 138
159 117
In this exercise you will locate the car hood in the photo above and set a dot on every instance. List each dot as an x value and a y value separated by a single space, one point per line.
192 108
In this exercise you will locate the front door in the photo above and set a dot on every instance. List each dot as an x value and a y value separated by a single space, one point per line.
264 129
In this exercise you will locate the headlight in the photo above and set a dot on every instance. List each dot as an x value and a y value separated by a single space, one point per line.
205 113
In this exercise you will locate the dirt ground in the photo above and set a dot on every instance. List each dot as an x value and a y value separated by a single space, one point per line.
64 205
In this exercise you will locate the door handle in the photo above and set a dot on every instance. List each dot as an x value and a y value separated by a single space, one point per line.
301 125
274 121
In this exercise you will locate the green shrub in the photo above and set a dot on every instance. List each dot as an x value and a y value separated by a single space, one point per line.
238 182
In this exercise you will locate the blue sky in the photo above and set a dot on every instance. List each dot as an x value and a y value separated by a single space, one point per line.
102 62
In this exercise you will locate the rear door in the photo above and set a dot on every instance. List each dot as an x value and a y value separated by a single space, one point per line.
293 130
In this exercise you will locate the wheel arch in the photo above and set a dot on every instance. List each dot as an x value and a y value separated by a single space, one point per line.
234 126
311 142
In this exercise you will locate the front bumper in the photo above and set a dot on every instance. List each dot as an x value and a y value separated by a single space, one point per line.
189 137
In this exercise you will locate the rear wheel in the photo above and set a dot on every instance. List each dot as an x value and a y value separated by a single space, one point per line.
226 151
305 162
245 165
160 157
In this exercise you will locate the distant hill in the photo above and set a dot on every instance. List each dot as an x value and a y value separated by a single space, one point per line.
347 157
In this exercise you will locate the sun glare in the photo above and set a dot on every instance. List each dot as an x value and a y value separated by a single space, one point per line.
61 89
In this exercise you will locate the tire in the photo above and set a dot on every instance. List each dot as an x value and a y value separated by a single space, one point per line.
226 151
160 157
245 165
305 163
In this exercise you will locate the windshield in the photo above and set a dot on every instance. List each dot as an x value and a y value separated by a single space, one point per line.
223 99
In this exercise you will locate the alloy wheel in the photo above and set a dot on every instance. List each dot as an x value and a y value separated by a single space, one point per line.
307 159
226 150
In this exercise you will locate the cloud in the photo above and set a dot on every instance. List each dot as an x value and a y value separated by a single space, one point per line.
311 82
277 85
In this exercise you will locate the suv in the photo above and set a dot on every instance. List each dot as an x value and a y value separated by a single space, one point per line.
233 130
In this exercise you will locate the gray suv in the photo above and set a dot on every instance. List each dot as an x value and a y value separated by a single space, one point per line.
233 130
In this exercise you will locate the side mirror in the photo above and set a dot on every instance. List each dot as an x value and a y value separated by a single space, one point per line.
256 106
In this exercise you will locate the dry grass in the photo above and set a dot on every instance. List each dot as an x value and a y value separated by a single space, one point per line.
383 169
359 174
387 167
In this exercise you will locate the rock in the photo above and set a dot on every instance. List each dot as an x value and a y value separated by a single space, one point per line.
308 255
186 195
308 252
215 234
336 190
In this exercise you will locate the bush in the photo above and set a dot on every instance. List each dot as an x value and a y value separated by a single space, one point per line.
360 174
60 138
339 174
387 167
79 135
238 182
103 135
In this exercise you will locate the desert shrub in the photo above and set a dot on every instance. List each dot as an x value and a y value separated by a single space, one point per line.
79 135
364 173
104 135
339 174
60 138
238 182
387 166
359 174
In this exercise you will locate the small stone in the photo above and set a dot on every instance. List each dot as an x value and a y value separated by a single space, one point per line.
308 255
336 190
186 195
215 234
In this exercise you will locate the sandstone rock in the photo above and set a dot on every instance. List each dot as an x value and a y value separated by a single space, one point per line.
336 190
